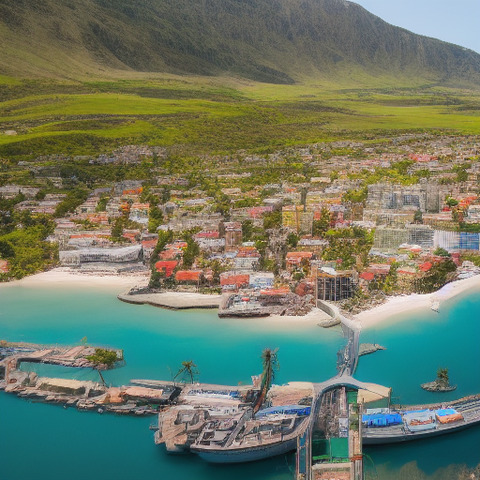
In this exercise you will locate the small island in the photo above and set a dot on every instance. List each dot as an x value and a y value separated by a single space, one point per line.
441 384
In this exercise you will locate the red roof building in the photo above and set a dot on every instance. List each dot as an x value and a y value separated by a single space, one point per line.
191 276
367 276
296 258
166 266
425 267
234 281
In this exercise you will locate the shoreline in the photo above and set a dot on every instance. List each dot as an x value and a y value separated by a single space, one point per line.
393 307
59 277
404 304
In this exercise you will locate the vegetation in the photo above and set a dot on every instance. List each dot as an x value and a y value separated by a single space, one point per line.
437 277
187 370
23 241
270 365
442 377
103 357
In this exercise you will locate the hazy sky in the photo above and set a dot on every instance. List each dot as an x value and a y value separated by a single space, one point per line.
454 21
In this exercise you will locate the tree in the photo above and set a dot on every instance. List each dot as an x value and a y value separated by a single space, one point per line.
272 220
117 229
451 202
102 358
418 217
321 226
189 370
270 366
292 240
191 252
155 218
247 230
442 377
441 252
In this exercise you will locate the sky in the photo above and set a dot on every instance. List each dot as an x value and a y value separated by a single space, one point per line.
454 21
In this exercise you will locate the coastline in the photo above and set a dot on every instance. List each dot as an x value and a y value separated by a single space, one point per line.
415 302
59 277
394 306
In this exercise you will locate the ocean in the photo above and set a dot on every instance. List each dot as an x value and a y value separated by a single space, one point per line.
48 442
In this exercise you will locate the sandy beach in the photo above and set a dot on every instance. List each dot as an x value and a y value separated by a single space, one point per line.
412 303
61 277
173 300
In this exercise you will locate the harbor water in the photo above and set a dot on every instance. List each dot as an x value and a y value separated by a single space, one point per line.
48 442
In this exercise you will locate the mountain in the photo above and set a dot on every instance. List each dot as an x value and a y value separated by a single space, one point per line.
278 41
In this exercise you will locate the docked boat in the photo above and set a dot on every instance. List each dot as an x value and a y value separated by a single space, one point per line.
424 423
249 439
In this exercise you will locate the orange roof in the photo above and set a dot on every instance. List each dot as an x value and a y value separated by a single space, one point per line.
275 291
425 267
239 279
150 243
188 275
4 266
299 255
168 266
368 276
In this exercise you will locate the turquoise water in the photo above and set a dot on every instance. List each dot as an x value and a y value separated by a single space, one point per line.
155 342
416 348
60 443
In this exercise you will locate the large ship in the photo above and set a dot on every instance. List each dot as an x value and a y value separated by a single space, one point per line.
421 422
248 439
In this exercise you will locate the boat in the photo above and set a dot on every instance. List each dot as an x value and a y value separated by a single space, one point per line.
250 439
426 423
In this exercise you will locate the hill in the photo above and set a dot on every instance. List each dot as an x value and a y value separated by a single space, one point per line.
277 41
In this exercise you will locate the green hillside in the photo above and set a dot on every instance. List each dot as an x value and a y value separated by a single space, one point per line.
277 41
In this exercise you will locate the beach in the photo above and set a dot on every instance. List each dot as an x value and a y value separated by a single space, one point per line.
404 304
64 277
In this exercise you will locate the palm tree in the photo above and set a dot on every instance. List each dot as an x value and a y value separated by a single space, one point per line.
442 376
188 369
270 365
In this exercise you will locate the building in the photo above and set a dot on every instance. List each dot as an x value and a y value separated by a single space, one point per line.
334 286
233 235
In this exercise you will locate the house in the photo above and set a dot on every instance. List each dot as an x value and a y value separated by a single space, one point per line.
166 266
189 276
262 280
233 281
297 259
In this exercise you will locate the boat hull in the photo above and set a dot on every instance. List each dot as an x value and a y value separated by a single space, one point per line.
247 454
408 437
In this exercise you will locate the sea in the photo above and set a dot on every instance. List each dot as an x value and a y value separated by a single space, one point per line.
47 442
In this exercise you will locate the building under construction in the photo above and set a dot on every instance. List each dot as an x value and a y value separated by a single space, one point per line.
335 286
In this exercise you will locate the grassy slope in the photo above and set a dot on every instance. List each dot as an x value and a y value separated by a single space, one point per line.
198 114
278 41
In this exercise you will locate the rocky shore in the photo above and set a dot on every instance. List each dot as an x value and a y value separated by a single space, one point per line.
436 386
367 348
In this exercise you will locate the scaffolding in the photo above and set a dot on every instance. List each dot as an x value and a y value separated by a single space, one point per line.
421 235
390 238
336 286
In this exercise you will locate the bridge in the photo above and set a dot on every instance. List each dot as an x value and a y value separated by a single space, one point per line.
346 366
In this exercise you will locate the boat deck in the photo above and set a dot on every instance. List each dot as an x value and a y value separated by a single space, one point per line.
469 408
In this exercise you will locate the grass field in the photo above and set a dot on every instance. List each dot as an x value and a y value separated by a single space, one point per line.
203 114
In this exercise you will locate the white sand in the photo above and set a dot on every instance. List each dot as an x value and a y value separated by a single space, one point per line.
411 303
176 300
62 277
311 318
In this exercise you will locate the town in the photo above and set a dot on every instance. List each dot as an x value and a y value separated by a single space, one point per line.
345 222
